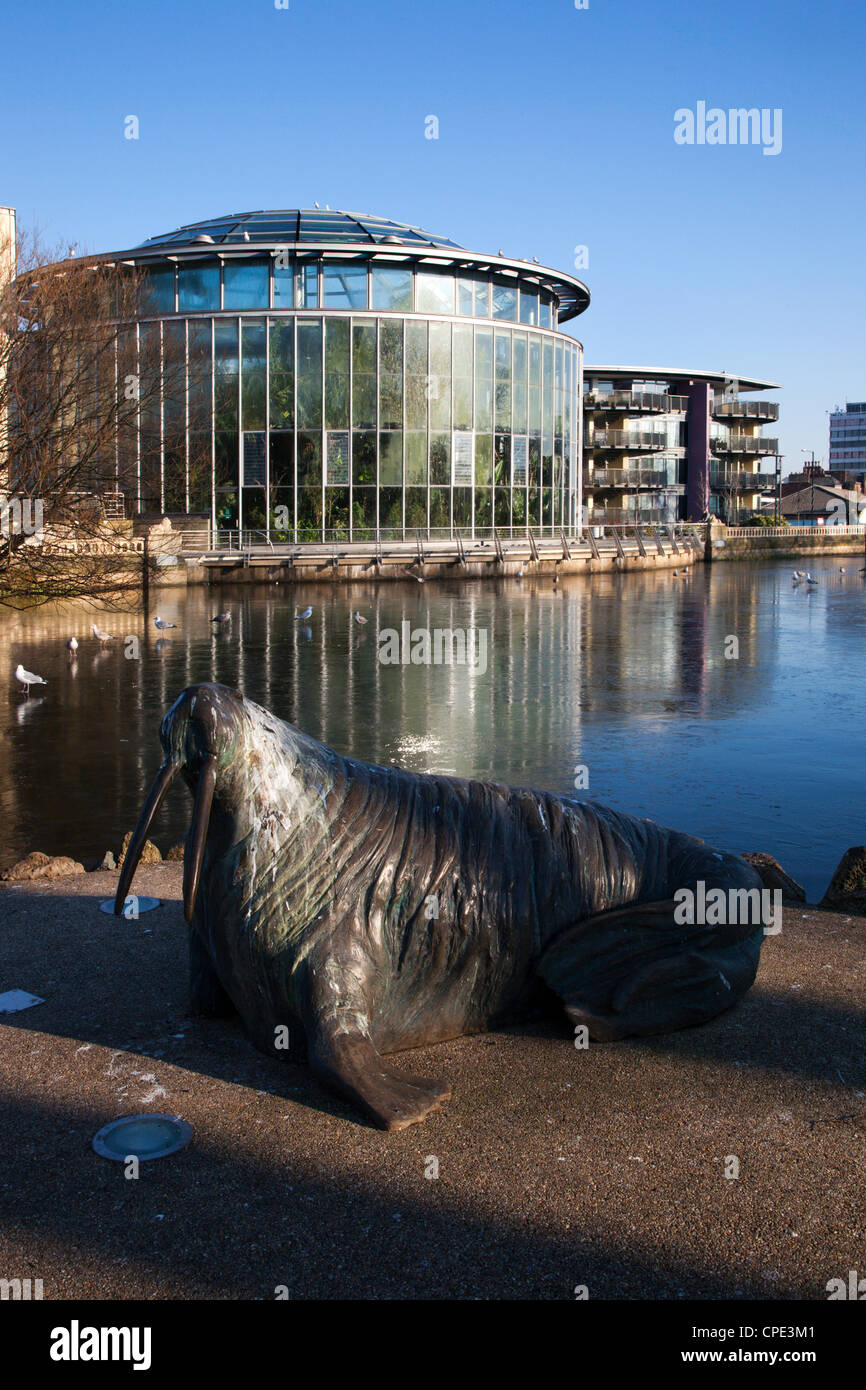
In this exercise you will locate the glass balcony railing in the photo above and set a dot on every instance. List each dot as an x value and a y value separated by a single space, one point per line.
658 402
630 441
736 481
625 516
744 444
733 409
625 477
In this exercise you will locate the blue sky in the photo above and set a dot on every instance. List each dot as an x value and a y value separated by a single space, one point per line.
555 130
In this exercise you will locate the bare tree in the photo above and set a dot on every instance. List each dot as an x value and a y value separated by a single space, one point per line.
81 392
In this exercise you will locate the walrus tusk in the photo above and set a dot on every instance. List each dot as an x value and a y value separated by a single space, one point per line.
198 834
156 796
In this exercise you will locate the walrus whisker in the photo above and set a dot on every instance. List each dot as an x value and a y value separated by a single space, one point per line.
163 780
194 854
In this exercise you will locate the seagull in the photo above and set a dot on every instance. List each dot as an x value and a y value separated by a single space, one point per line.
72 646
161 625
799 574
221 618
810 579
27 678
841 569
307 613
359 617
519 574
100 634
676 574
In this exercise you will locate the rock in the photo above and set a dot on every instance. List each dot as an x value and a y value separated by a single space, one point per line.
38 865
175 854
149 855
847 891
107 861
774 876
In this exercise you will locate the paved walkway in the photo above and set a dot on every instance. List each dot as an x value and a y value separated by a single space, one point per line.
557 1168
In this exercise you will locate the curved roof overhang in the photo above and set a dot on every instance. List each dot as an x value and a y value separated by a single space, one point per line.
682 375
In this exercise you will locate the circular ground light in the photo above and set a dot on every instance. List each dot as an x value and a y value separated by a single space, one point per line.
142 1137
133 906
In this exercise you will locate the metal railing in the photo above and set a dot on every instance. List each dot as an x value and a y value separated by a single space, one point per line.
624 516
744 444
742 481
629 440
658 402
729 409
747 532
625 477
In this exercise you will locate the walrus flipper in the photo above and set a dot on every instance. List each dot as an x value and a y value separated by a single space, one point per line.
634 972
343 1056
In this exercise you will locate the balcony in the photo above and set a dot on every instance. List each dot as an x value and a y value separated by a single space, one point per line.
622 516
741 481
745 444
629 441
745 410
636 402
624 477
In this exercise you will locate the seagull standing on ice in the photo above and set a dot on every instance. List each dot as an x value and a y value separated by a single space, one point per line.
359 617
161 625
100 634
27 678
221 618
72 646
302 617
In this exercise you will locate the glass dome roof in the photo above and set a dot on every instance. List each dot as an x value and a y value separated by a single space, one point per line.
296 226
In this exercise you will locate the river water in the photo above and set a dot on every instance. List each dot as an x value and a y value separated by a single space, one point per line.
628 685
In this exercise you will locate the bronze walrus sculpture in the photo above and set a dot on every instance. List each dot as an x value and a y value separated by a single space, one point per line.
366 909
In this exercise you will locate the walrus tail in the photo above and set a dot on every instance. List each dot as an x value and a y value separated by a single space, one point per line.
635 971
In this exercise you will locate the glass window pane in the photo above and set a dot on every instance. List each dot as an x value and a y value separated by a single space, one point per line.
198 286
282 346
283 286
344 286
391 287
337 345
416 459
529 306
391 458
253 344
484 352
434 294
504 299
245 285
308 286
416 347
364 347
158 291
391 345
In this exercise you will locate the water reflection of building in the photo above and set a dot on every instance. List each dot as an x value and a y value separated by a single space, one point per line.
570 671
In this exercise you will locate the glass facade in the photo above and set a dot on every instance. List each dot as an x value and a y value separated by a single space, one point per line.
362 397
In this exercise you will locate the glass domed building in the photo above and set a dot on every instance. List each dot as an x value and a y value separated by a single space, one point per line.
347 375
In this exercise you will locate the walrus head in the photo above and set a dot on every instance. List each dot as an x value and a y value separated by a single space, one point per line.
199 736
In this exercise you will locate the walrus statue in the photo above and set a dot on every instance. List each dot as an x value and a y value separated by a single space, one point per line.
360 910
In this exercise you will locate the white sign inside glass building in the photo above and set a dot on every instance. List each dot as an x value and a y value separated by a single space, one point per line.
462 462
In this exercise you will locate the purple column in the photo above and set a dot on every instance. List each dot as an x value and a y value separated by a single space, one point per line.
698 451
